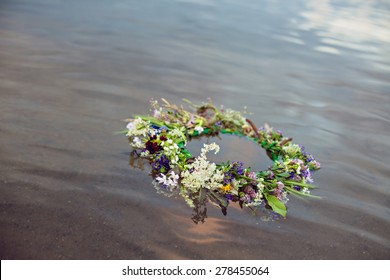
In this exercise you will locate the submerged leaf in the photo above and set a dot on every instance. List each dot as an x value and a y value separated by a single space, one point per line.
276 205
220 199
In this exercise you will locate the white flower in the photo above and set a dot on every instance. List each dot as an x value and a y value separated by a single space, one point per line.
156 109
257 200
153 132
306 190
299 168
157 113
260 186
209 147
138 127
130 125
137 143
171 150
199 129
162 179
173 176
177 133
170 181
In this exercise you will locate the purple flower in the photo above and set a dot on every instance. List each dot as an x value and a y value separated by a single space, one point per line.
152 147
161 162
250 191
316 164
307 175
246 198
252 175
238 167
235 167
308 157
294 176
297 188
154 126
279 185
227 177
278 190
191 121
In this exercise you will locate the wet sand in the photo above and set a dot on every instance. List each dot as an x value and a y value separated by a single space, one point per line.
70 72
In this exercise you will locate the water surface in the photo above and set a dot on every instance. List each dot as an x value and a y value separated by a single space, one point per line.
72 70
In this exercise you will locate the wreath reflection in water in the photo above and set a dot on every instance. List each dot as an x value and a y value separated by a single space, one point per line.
161 139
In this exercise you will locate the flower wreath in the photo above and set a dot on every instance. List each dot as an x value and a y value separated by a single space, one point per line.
161 138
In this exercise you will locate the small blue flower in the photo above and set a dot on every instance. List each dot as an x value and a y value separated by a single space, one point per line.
227 177
238 167
309 158
294 176
154 126
297 188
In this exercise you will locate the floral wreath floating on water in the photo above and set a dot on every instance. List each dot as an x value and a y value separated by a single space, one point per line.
161 138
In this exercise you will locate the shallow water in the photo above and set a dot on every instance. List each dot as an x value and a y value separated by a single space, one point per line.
71 70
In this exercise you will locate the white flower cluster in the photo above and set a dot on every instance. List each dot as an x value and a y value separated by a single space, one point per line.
178 134
306 190
292 149
201 173
171 150
137 143
136 129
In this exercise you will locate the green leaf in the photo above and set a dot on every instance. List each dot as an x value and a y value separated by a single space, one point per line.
186 153
180 144
226 131
270 145
276 205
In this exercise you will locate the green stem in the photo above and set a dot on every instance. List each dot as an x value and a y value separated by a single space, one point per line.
300 193
300 184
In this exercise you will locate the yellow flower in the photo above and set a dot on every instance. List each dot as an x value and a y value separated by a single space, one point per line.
226 188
